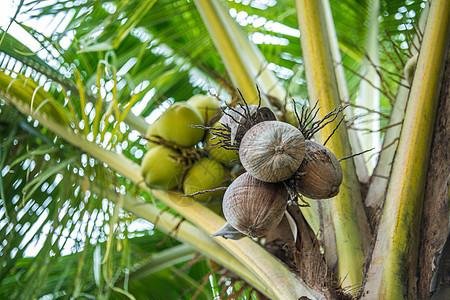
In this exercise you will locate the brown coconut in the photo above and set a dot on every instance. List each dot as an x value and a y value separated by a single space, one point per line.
320 173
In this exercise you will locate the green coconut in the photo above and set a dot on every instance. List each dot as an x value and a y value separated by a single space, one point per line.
205 174
174 125
207 105
160 169
227 157
152 131
215 207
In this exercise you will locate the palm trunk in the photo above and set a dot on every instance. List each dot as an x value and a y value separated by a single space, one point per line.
434 230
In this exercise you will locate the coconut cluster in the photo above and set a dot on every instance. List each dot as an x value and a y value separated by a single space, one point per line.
183 157
197 147
280 166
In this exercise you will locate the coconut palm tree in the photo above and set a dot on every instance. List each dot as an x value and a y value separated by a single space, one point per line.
78 94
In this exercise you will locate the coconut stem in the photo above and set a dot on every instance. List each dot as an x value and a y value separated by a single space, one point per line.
225 133
334 130
231 116
318 125
353 155
223 188
306 119
293 193
248 115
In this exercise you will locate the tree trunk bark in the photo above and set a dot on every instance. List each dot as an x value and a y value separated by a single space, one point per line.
435 215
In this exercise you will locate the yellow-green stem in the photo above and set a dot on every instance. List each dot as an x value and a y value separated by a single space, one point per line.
361 170
378 184
347 211
184 232
253 60
394 261
368 93
222 36
189 234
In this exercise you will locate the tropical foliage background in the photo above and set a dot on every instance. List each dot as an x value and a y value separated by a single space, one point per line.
81 80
